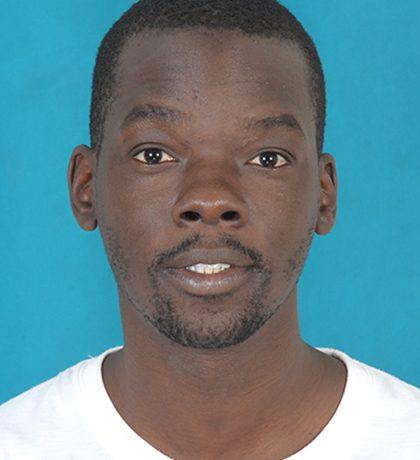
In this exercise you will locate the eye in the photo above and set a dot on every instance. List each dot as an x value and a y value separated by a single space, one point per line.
271 159
152 156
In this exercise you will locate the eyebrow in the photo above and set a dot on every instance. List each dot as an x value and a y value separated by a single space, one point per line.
283 120
169 115
153 112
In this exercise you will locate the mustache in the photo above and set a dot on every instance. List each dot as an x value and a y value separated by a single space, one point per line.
196 239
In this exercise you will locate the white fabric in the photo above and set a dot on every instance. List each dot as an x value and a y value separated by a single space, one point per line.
71 417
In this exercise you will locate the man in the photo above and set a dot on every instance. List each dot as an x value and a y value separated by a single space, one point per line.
207 181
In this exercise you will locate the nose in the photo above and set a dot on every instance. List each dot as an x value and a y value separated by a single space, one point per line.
211 202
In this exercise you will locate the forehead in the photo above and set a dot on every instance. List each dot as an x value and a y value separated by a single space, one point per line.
214 75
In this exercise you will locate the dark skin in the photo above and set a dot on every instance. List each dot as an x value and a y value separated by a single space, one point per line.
223 376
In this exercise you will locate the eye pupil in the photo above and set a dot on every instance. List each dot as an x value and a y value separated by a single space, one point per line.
152 155
269 158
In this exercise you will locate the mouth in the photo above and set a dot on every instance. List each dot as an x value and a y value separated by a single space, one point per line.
202 284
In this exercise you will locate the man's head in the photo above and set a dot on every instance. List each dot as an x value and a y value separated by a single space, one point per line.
209 124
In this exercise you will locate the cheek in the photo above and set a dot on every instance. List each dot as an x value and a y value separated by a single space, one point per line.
285 218
137 210
284 206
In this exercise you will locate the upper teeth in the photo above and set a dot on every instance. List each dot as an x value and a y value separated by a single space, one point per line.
208 268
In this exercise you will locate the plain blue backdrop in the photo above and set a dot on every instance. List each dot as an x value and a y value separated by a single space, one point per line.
360 288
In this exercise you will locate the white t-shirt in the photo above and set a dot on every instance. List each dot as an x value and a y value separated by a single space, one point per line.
71 416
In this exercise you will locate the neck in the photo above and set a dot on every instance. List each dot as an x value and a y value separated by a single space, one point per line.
179 398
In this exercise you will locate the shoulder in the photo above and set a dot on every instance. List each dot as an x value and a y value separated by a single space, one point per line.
48 410
40 398
386 389
395 398
383 409
394 416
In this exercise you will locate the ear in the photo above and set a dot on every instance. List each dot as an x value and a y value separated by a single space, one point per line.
80 179
328 199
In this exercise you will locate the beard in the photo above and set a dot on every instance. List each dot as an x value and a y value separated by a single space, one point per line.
212 324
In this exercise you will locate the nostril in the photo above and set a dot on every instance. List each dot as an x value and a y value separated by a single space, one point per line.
230 215
190 215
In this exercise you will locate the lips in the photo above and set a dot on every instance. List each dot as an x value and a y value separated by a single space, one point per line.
211 256
199 284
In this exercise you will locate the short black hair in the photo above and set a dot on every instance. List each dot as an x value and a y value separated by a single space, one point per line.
266 18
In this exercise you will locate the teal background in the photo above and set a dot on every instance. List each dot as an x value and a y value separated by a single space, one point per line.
360 288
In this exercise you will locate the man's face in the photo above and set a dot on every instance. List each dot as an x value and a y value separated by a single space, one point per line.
174 186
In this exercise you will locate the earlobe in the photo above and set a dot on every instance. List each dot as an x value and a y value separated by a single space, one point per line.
328 198
80 180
